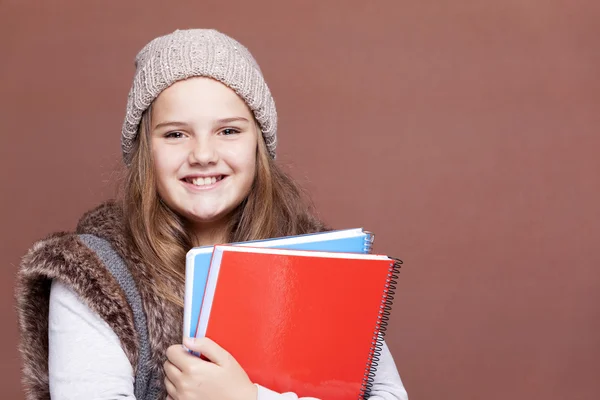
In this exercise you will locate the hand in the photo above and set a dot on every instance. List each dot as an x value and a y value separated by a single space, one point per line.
189 377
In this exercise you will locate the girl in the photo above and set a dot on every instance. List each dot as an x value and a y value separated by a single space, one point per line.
199 142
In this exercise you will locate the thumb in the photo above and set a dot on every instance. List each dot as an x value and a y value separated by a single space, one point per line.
207 349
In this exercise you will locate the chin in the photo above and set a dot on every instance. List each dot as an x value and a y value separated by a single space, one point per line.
202 218
206 217
197 213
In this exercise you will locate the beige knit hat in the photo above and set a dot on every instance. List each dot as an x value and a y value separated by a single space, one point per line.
197 52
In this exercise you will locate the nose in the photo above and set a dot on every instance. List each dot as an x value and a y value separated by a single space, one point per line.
203 151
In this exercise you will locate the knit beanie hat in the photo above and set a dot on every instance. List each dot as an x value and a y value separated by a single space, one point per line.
197 52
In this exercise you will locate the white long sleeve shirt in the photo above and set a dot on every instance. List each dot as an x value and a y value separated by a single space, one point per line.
86 359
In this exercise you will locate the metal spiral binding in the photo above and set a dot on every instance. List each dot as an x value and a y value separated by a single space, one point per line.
380 328
369 239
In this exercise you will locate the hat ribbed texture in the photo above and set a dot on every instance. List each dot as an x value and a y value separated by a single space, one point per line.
197 52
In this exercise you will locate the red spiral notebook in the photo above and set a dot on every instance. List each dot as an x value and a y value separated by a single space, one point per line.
306 322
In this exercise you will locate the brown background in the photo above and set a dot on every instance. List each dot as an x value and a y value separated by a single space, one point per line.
464 133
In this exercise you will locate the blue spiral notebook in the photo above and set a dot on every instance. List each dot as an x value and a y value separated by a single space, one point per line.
198 262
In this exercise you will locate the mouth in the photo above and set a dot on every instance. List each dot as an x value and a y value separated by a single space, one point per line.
201 181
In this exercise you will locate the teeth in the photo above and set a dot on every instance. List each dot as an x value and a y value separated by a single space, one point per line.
204 181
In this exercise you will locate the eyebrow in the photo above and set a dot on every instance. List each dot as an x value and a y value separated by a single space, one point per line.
169 123
219 121
232 119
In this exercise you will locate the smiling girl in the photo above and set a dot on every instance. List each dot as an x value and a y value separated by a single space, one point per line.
101 308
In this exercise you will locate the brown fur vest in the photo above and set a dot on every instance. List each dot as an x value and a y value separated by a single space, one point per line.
63 256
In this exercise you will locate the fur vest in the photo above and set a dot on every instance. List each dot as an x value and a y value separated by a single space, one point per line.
63 256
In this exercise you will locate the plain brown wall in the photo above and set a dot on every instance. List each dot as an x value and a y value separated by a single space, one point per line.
464 133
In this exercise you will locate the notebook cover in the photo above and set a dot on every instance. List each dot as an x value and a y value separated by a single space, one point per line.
304 324
198 261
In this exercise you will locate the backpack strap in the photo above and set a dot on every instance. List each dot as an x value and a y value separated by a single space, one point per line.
115 265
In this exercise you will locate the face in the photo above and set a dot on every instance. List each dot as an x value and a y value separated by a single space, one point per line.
204 141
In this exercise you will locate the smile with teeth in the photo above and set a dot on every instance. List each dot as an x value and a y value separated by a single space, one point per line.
204 181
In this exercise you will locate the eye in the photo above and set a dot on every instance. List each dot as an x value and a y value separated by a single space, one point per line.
229 131
174 135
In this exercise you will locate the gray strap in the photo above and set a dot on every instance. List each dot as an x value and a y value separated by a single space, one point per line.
119 271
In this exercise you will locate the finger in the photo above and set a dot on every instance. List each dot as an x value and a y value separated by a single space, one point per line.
209 349
177 355
171 390
172 372
181 361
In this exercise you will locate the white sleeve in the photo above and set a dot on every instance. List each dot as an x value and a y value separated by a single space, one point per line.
387 384
85 358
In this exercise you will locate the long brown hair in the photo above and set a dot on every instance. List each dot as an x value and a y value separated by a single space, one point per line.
274 207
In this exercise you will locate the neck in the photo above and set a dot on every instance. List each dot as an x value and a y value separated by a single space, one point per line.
210 234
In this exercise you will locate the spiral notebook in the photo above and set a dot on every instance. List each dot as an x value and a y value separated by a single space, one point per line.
198 260
307 322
